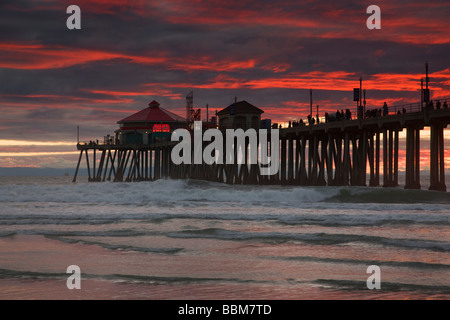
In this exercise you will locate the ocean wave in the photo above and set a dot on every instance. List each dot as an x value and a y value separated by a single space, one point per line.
386 286
175 191
124 278
389 195
320 238
402 264
339 284
284 218
120 247
70 233
311 238
7 273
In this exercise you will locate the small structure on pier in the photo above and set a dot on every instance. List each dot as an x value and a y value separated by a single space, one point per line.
150 125
240 115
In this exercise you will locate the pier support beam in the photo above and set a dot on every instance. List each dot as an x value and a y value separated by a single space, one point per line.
377 159
347 166
412 174
290 146
437 164
372 158
390 157
78 167
283 160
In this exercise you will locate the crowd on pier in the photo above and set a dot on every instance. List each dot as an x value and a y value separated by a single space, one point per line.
341 115
430 105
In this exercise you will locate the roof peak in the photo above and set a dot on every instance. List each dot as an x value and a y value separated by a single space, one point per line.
240 107
154 103
154 113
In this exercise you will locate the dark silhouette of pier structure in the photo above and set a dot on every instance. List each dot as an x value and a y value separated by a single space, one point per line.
337 153
349 152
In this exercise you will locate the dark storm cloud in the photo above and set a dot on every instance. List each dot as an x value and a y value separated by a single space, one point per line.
47 114
106 69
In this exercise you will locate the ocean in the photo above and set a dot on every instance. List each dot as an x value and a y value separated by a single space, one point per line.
196 240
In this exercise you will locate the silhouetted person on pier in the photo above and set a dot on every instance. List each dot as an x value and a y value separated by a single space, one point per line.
385 109
348 114
445 106
431 105
438 105
404 110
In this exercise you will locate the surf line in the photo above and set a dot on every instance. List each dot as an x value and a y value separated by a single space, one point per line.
213 153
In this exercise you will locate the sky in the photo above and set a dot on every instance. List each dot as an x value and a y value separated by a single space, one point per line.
269 53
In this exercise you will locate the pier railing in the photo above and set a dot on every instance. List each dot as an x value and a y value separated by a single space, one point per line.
371 112
416 107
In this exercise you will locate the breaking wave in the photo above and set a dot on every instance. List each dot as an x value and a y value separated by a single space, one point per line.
171 191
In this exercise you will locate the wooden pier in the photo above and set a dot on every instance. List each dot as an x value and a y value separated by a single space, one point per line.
338 153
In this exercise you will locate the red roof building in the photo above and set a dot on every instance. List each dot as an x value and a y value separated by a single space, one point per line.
150 125
154 113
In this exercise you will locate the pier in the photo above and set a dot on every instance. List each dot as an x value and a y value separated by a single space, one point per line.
332 153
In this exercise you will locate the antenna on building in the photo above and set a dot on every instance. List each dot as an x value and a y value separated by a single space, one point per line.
426 92
364 110
190 108
189 105
421 93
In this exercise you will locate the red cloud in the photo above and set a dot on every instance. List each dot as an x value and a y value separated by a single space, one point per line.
320 80
37 56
